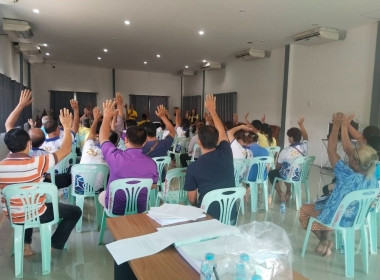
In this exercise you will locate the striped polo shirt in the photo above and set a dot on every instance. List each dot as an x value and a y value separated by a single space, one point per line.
21 168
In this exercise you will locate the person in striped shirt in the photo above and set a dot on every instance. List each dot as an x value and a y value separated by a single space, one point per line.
19 167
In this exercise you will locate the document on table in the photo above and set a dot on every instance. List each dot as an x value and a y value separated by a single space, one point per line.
137 247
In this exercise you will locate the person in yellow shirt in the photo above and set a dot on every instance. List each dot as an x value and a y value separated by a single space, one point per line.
131 112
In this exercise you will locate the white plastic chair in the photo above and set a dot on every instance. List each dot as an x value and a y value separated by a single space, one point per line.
173 196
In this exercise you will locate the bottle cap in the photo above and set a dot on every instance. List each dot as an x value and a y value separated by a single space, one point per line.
209 256
244 257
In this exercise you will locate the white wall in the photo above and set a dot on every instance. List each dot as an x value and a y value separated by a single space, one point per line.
149 83
68 78
329 78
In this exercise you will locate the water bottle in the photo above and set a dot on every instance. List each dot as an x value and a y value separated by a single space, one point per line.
207 267
282 207
178 147
65 193
243 268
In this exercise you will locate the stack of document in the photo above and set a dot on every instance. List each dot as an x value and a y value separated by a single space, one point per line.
168 214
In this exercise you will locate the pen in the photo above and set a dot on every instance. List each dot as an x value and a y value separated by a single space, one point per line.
216 273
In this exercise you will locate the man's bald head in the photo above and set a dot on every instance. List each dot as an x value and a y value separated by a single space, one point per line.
37 137
45 119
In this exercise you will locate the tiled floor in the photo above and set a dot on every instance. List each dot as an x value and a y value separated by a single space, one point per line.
85 260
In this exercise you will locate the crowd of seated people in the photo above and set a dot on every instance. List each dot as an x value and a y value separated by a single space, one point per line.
113 138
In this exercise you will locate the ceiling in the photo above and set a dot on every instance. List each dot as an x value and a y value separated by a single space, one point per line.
77 31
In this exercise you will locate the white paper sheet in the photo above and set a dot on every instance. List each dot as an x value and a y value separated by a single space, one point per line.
166 220
177 211
141 246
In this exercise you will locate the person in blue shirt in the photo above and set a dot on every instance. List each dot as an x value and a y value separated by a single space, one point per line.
357 175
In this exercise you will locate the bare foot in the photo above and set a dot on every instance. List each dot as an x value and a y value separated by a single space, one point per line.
28 250
321 248
330 244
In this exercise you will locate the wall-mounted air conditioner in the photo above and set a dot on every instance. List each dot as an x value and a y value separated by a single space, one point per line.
35 59
252 54
320 35
17 28
211 65
8 1
27 48
187 72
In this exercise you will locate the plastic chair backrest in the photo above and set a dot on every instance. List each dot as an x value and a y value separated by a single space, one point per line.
240 170
174 145
121 145
179 174
161 162
159 135
227 199
195 148
31 195
365 198
306 167
273 152
296 167
132 188
262 164
64 164
87 176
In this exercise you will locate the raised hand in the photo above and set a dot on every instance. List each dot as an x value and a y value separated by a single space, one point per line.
338 118
66 118
108 109
97 114
263 118
31 123
161 111
74 105
119 100
25 98
301 121
210 102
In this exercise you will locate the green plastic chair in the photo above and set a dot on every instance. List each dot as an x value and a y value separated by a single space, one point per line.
273 152
372 219
295 168
263 164
184 142
121 145
305 175
240 171
365 198
173 196
195 148
227 199
30 206
162 163
87 176
132 188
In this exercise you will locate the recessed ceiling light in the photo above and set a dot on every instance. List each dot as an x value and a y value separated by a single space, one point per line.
44 45
127 22
36 11
201 32
38 47
47 54
204 60
99 58
105 50
145 62
186 66
158 55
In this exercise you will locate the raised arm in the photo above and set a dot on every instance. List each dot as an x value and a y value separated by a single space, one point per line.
232 131
97 116
24 101
161 113
246 119
356 134
119 103
75 124
333 139
105 129
346 142
178 120
210 105
305 136
65 117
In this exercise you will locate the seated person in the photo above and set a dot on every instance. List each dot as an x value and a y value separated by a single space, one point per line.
154 147
131 163
144 117
287 156
214 169
357 175
190 149
257 151
19 167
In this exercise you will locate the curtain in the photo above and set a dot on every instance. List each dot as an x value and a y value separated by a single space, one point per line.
190 102
86 100
5 100
148 104
59 100
226 105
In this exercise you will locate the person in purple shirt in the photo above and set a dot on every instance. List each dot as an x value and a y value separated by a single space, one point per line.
131 163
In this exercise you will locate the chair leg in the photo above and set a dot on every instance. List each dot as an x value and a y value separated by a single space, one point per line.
102 228
273 192
18 245
306 240
79 201
338 240
99 209
307 191
372 227
298 194
349 252
253 186
364 243
265 194
45 234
